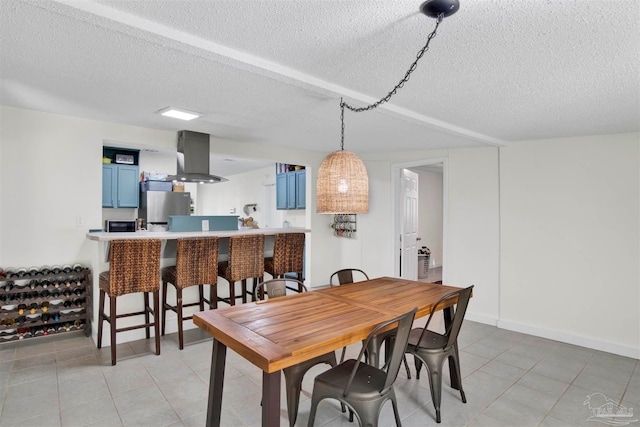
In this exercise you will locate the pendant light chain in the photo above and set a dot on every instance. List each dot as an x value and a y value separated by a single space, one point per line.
398 86
342 104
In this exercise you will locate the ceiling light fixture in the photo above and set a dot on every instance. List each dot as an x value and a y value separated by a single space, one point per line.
343 185
177 113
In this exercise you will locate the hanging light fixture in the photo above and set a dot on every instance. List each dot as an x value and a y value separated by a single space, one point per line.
343 185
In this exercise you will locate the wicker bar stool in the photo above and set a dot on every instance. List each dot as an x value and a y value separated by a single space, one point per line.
196 264
288 256
246 261
134 267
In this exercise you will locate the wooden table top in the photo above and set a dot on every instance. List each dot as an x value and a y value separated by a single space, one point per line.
281 332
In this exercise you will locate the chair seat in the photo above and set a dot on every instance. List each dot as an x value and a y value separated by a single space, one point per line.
430 341
366 383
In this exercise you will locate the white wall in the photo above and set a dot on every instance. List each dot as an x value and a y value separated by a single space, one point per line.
569 240
430 213
547 231
570 206
474 229
51 172
248 188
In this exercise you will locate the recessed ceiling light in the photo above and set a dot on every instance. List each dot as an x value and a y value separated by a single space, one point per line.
179 114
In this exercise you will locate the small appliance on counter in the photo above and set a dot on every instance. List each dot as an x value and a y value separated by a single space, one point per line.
119 226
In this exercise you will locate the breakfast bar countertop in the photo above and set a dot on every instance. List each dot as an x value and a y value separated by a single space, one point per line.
103 236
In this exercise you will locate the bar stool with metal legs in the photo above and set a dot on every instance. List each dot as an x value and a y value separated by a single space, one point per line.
134 266
288 256
246 261
196 264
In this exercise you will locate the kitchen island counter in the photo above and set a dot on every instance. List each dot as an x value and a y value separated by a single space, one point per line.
103 236
100 263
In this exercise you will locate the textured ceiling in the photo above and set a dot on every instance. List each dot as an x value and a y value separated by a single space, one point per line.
273 72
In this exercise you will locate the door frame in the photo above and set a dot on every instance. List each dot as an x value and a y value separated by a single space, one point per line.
396 207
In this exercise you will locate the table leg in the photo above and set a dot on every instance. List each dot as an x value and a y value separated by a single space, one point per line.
270 399
455 381
372 352
214 406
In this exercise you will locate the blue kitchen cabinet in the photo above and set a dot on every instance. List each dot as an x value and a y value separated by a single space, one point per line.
120 186
291 190
301 188
281 191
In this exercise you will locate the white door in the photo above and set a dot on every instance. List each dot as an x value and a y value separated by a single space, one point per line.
409 227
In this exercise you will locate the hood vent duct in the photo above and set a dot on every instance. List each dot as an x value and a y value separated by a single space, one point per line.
193 159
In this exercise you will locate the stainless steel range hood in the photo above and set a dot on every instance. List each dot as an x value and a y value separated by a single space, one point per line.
193 159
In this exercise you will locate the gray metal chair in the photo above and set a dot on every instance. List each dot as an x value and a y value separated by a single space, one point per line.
293 375
277 288
345 276
364 388
432 348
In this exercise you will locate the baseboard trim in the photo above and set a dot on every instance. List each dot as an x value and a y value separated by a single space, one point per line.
481 318
569 338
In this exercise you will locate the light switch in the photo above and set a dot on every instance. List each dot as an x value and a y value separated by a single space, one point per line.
205 225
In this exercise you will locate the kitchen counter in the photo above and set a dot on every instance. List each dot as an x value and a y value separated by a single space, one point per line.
169 242
102 236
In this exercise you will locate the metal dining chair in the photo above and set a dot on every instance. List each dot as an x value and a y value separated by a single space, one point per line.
346 276
362 387
293 375
432 348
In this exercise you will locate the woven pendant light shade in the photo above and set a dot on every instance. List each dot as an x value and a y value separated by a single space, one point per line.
343 184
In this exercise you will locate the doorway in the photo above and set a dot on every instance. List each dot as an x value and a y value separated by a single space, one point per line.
430 243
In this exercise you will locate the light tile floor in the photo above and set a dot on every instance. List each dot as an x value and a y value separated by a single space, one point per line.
510 379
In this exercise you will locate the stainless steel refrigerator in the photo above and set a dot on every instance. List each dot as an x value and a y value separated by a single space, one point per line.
156 206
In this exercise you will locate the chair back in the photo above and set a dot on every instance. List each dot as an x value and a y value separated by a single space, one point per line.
288 253
134 266
196 261
246 257
345 276
453 328
277 288
392 366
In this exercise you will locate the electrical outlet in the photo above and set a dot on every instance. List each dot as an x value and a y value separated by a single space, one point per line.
232 210
205 225
79 221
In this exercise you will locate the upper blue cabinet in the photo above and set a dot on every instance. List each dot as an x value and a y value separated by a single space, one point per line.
291 189
120 186
120 179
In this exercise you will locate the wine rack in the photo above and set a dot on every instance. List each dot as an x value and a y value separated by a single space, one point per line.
44 301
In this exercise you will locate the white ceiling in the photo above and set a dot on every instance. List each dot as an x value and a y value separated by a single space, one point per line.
273 72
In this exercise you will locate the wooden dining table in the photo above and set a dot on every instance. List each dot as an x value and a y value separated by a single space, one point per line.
281 332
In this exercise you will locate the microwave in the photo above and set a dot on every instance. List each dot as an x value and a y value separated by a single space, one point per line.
118 226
